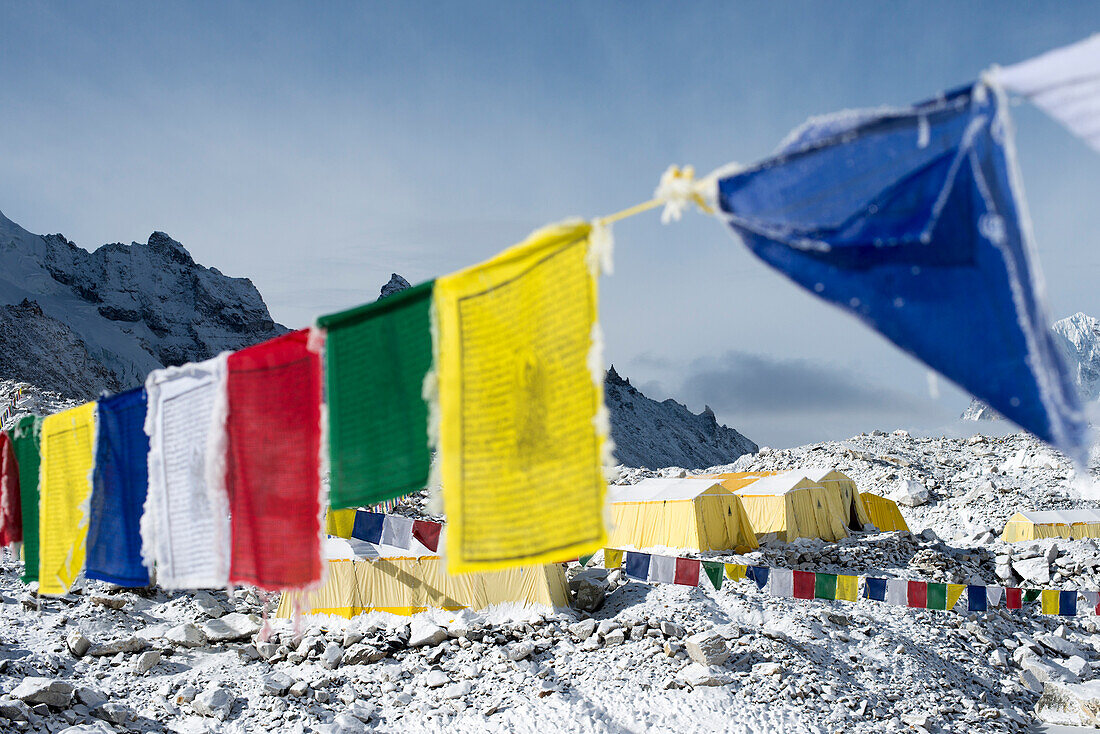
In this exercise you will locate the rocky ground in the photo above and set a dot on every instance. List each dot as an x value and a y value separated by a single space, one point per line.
648 658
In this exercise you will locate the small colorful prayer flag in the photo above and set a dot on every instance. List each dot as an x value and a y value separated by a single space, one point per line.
637 565
1013 598
897 592
1031 595
427 532
875 589
612 558
993 595
26 437
1091 600
847 587
714 571
662 569
368 526
802 584
583 560
825 586
397 531
759 575
687 572
976 598
735 571
936 596
954 591
781 582
11 517
1063 603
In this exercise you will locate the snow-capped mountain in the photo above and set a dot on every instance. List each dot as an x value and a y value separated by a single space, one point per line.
1078 337
76 322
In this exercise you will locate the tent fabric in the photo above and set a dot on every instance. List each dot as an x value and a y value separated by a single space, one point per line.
185 526
25 438
1064 83
120 482
913 220
1071 524
883 512
272 472
68 454
787 506
409 585
685 514
841 486
376 359
520 445
11 515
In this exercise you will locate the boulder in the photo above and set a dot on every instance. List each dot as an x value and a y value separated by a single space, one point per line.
277 684
589 592
671 629
423 633
185 635
235 626
15 710
1076 704
216 701
361 654
1036 570
910 493
436 679
77 643
145 661
54 693
520 651
699 675
116 713
707 648
91 697
583 629
209 606
461 689
127 645
332 656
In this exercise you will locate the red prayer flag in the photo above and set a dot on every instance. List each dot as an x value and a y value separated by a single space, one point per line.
427 533
687 572
1014 598
11 511
804 584
918 594
272 463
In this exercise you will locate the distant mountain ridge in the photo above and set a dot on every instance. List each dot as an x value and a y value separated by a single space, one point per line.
77 322
1078 338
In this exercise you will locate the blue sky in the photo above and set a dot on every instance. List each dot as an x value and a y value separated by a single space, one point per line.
316 148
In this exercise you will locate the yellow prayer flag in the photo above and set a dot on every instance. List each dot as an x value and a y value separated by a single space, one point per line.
612 558
521 416
1050 601
735 571
847 587
68 452
340 522
954 591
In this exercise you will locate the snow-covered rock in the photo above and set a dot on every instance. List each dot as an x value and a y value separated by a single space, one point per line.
1070 704
910 493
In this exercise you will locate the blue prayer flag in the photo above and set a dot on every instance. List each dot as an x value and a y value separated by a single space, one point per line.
120 481
759 574
977 599
1067 603
875 589
637 565
913 220
368 526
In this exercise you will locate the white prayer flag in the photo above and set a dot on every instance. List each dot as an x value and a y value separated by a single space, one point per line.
397 531
993 596
662 569
781 582
897 592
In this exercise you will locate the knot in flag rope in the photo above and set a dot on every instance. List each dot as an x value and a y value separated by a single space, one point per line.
678 190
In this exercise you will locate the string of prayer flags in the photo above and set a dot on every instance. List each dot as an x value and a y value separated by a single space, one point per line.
272 465
911 220
522 424
120 482
394 530
25 437
11 516
185 527
376 359
68 454
715 572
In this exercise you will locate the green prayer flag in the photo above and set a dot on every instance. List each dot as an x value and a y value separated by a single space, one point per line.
937 596
25 438
825 586
1032 594
715 572
583 560
376 358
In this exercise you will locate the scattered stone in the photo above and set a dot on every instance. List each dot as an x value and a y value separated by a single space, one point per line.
1070 704
583 629
696 675
128 645
362 654
910 493
234 626
614 637
671 629
423 632
186 635
1036 570
145 661
111 602
54 693
589 592
436 679
763 669
15 710
208 605
277 684
185 694
77 643
461 689
521 651
707 648
216 701
299 689
115 713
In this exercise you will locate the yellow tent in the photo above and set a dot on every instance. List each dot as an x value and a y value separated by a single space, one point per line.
884 513
367 581
842 487
689 514
786 506
1072 524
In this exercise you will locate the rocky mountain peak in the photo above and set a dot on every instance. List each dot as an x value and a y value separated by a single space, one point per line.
396 284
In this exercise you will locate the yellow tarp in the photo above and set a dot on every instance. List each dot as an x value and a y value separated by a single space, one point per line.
884 513
1072 525
412 585
841 486
518 441
712 520
791 506
68 452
